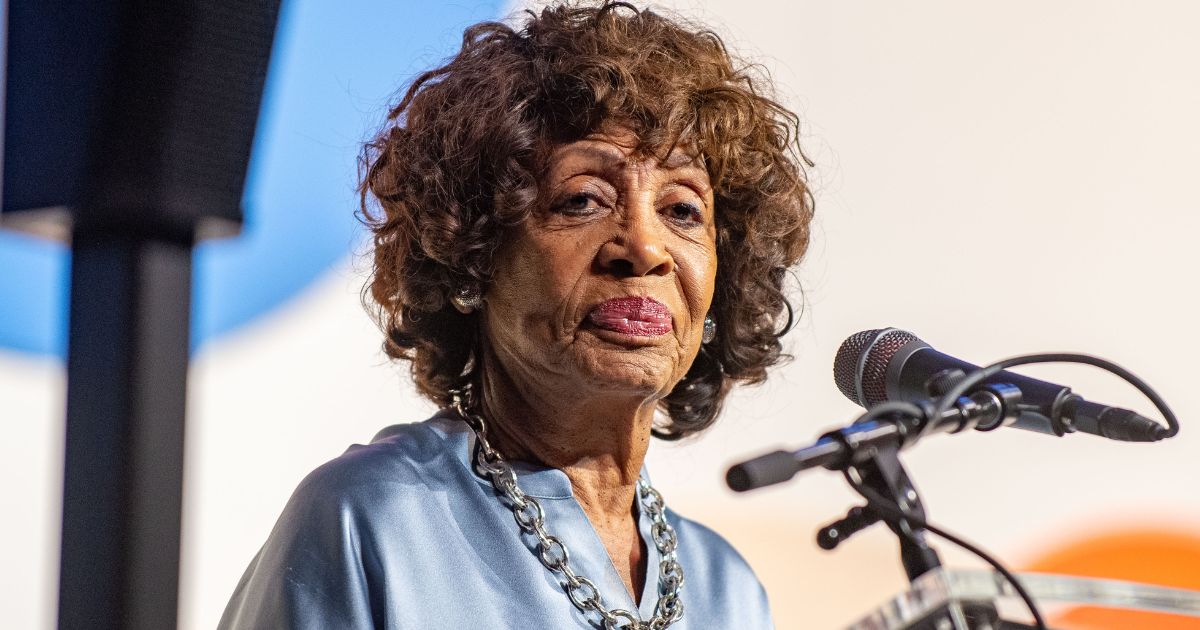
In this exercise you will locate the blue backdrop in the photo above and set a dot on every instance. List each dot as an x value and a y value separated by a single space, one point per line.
335 68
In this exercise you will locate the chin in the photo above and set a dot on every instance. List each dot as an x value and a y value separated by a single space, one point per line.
648 371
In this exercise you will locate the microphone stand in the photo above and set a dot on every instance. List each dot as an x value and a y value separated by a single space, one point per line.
868 453
883 473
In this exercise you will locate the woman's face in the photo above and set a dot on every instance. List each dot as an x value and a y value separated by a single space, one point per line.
606 286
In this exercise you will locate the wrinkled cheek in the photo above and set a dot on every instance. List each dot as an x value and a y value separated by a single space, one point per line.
700 294
710 280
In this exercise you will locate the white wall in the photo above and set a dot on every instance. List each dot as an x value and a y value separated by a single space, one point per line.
997 178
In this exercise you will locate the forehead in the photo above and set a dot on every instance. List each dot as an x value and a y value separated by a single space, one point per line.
618 149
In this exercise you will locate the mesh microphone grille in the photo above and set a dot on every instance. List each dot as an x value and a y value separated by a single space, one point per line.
845 365
874 372
879 349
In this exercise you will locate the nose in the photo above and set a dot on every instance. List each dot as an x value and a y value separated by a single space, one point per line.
638 249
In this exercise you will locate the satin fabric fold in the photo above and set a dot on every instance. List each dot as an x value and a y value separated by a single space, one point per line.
401 533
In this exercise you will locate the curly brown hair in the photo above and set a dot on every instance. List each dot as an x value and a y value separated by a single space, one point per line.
458 167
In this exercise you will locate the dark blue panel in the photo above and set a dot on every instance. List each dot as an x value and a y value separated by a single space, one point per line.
335 68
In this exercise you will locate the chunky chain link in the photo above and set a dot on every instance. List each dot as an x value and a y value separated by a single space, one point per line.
531 518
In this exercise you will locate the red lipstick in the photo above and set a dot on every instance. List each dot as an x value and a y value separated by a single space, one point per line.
640 316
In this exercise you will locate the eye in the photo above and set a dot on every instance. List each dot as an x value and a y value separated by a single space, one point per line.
685 213
576 204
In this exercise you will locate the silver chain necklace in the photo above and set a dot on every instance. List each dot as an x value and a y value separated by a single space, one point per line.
553 552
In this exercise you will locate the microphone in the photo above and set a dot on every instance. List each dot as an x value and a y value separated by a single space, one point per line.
890 364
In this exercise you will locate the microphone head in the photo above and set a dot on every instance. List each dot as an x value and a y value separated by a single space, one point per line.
860 367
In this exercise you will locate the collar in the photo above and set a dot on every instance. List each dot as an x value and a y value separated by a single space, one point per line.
541 482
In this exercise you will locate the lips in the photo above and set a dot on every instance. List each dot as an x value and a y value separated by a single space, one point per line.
639 316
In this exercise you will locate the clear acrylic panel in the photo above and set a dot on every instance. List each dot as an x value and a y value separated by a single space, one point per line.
961 599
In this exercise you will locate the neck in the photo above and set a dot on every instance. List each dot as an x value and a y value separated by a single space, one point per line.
599 442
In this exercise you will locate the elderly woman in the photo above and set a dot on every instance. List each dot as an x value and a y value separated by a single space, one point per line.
582 230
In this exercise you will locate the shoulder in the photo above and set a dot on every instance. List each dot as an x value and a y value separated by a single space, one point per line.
319 564
404 466
421 453
380 492
711 565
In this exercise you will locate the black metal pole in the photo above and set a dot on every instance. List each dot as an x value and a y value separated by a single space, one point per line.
126 383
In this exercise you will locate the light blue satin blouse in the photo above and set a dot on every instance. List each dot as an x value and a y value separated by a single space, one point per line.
401 533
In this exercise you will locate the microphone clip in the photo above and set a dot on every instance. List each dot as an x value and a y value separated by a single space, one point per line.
857 519
880 470
887 426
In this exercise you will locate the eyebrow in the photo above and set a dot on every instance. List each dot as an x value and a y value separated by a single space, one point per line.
612 158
